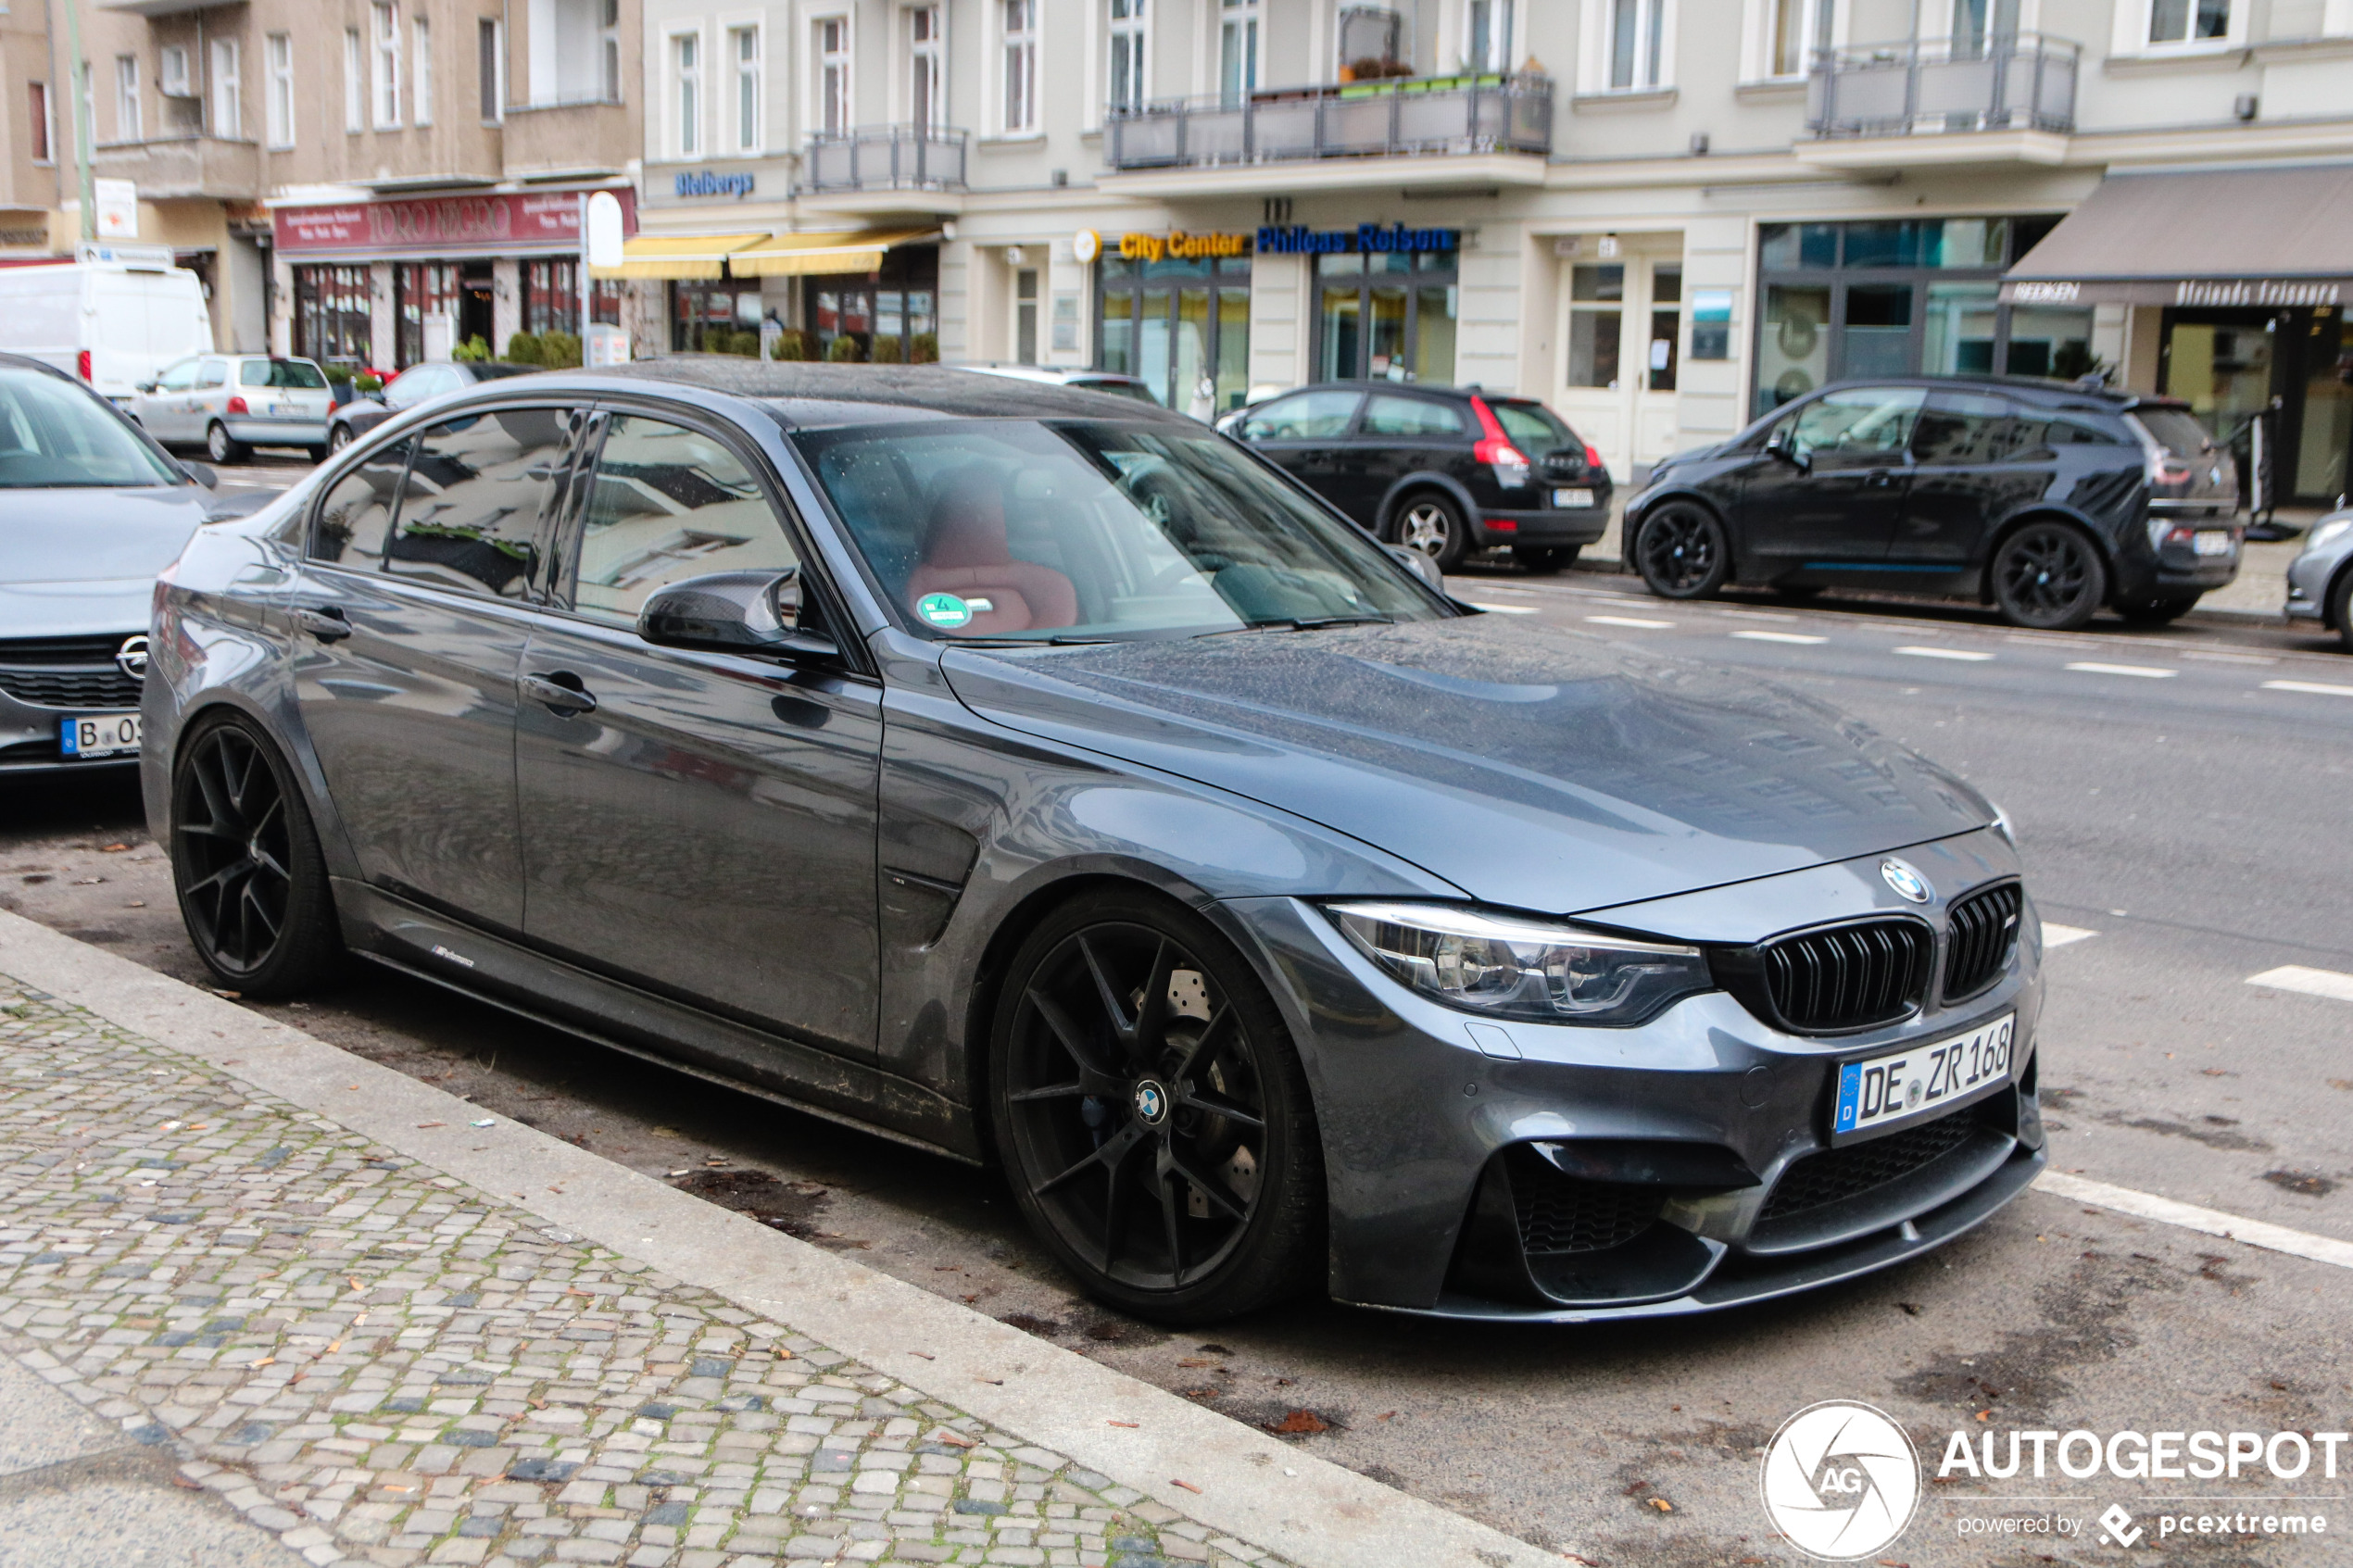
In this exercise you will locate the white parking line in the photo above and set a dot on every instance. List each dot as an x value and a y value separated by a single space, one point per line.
1780 637
2228 657
2315 687
2146 672
2189 1216
1630 620
2055 936
1502 610
1967 655
2311 981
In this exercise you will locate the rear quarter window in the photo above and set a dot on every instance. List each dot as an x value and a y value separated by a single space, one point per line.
2175 429
1533 424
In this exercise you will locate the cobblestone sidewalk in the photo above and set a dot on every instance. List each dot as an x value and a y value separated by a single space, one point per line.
384 1365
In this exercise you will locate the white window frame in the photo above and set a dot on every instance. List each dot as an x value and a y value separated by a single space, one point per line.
832 76
355 81
171 71
128 123
608 51
421 69
1247 21
384 63
1131 40
1654 41
683 53
228 85
2136 18
1759 43
926 81
1016 62
748 103
1499 55
278 106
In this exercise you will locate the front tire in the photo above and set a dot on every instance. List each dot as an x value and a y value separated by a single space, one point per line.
223 447
1681 552
2341 609
1544 560
2048 577
246 866
1152 1115
338 438
1433 524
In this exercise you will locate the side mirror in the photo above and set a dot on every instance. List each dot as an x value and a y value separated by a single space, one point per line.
145 386
1418 564
754 612
1781 446
202 474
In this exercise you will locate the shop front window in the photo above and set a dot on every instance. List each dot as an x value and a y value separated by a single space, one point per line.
1794 356
1596 323
2048 342
714 317
421 289
1182 327
334 324
1666 324
1387 316
2326 428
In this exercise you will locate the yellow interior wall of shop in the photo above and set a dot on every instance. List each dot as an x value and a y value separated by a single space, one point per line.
2143 340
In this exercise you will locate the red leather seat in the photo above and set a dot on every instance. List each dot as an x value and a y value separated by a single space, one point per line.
965 554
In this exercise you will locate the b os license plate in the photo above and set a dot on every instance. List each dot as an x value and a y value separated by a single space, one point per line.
1572 498
1920 1081
2211 541
100 734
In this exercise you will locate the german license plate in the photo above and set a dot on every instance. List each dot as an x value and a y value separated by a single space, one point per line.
283 410
2212 542
1572 498
100 734
1919 1081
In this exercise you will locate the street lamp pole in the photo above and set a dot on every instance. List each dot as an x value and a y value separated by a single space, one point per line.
79 69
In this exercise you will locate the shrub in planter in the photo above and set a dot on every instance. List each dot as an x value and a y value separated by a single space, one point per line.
523 349
559 351
843 350
925 349
885 351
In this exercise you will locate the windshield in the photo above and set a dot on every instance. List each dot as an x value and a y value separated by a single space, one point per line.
1086 530
300 373
54 434
1531 424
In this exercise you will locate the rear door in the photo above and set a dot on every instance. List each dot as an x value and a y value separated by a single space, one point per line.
425 564
164 410
1399 434
1837 508
1306 435
1971 467
701 824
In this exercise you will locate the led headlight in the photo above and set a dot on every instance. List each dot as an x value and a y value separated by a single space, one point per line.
2327 532
1510 966
2003 825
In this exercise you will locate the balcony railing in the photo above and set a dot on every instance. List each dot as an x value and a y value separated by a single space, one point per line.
580 136
183 166
2017 81
1461 114
885 157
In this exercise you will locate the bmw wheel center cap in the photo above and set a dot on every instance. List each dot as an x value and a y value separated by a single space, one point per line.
1151 1103
1907 881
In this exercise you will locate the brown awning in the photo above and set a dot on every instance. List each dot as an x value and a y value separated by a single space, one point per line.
803 254
2265 237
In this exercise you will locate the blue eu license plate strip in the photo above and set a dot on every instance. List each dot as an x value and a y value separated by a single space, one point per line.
1922 1080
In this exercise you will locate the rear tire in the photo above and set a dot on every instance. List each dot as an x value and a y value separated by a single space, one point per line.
1681 552
2049 577
2158 612
1433 524
223 447
1543 560
246 866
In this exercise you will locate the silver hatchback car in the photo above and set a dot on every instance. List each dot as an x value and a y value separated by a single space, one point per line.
232 403
2320 579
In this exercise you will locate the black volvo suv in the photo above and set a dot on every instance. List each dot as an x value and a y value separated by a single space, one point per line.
1441 470
2044 499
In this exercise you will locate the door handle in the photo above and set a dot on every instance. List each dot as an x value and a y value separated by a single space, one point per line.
560 694
1878 479
327 625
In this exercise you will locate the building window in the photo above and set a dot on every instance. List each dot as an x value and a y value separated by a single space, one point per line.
550 296
608 50
2188 21
279 99
489 70
1491 35
421 289
228 90
1237 51
1666 324
1126 75
333 315
1596 322
744 44
1636 51
37 101
832 76
925 102
1183 330
355 91
171 73
1026 316
384 66
126 98
1795 30
420 92
686 61
1020 64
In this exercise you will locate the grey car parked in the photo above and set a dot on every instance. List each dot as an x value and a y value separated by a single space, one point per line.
232 403
2320 579
1050 782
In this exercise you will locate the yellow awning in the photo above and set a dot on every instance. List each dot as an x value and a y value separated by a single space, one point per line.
675 255
792 255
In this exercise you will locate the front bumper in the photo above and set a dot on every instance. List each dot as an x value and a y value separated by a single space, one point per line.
278 432
30 739
1633 1171
2309 576
1579 526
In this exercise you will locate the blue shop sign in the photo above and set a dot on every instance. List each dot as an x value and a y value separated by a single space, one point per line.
710 184
1300 240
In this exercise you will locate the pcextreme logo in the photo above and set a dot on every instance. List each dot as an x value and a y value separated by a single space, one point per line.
1841 1480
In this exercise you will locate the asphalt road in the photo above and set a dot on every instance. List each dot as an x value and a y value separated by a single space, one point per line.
2181 797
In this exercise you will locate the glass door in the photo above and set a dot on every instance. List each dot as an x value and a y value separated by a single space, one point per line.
2324 428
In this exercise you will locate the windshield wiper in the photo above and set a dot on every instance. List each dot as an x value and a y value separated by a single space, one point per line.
1316 622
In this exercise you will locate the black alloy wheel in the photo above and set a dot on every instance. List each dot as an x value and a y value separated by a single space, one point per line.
1433 524
2159 610
223 447
1681 552
2340 606
245 863
1543 560
1151 1116
2048 576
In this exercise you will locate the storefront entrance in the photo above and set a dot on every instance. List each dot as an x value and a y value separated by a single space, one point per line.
2230 364
1180 325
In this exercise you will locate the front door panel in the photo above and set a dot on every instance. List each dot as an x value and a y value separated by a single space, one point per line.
1841 503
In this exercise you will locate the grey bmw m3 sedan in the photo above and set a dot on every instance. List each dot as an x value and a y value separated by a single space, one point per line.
1050 782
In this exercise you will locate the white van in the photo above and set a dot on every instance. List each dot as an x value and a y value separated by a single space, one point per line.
115 320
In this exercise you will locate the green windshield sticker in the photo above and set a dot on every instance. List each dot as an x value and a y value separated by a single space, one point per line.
944 610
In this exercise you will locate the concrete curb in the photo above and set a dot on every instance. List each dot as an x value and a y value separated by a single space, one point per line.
1241 1481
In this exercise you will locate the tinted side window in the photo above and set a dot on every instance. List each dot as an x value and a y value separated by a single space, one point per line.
1859 419
1309 415
666 504
471 511
1965 427
356 513
1411 418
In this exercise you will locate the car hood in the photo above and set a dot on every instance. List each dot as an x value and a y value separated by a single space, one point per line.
1528 766
79 561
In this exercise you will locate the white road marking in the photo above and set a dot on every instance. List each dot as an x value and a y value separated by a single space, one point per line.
1780 637
1630 620
2229 658
2146 672
1967 655
2055 936
2311 981
2315 687
2189 1216
1503 609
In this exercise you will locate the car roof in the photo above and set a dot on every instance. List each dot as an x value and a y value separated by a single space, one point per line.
2039 389
858 393
1410 388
